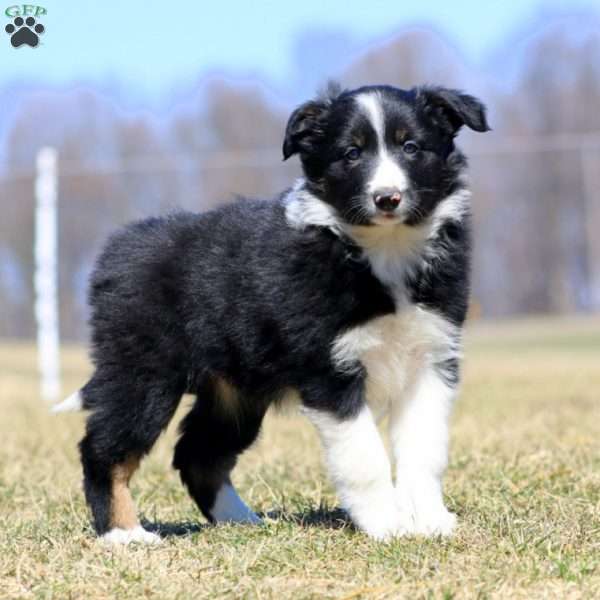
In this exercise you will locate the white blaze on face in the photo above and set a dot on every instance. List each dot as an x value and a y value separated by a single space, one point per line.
387 172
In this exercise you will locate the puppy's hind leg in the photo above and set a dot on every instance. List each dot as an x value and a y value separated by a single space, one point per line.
122 427
220 426
124 524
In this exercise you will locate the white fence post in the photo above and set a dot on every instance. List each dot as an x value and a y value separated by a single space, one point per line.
45 278
591 198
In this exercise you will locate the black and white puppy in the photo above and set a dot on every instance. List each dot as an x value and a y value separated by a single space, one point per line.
350 290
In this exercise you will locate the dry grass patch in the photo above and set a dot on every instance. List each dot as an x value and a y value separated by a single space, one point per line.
524 479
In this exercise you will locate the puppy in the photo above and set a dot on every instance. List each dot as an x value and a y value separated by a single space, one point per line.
350 289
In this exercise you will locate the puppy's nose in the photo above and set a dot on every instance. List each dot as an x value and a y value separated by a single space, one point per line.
387 199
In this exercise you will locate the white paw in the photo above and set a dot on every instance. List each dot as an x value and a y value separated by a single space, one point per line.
439 521
230 508
420 498
253 519
247 518
380 520
426 517
118 536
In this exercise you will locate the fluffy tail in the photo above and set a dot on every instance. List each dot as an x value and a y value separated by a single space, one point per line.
73 403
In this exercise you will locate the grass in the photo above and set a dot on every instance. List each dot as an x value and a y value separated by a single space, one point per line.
524 479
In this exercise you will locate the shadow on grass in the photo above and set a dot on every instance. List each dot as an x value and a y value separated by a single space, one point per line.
166 530
322 517
325 518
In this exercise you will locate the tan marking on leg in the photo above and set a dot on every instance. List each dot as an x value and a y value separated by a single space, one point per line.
228 396
122 509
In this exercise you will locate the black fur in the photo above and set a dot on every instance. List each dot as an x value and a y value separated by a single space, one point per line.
322 131
210 441
237 294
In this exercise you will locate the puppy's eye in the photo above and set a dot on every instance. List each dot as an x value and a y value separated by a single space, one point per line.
353 153
410 147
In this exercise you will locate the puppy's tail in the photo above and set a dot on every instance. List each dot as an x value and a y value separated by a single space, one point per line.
73 403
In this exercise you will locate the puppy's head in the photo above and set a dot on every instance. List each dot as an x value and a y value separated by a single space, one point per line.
380 155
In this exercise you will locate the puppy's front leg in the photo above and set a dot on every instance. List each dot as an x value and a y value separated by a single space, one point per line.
359 467
419 436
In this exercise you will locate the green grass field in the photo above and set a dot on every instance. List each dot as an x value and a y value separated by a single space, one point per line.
524 479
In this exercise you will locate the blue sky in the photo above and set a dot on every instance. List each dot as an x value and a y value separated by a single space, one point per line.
152 47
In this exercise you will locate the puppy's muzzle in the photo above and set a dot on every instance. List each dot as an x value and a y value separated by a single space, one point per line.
387 200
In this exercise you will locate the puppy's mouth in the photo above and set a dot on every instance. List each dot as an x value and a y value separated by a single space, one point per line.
386 218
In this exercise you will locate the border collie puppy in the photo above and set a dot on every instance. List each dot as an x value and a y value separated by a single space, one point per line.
350 289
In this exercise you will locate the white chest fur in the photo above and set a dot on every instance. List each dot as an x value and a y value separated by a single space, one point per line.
394 350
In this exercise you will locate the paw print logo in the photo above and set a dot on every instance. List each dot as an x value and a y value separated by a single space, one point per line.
24 32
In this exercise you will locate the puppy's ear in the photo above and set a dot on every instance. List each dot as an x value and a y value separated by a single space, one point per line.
451 109
305 127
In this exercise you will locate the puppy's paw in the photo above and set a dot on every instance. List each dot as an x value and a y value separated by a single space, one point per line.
247 518
424 517
435 521
230 508
420 498
381 521
138 534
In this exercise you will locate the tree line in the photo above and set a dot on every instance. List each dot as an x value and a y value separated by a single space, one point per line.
536 177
